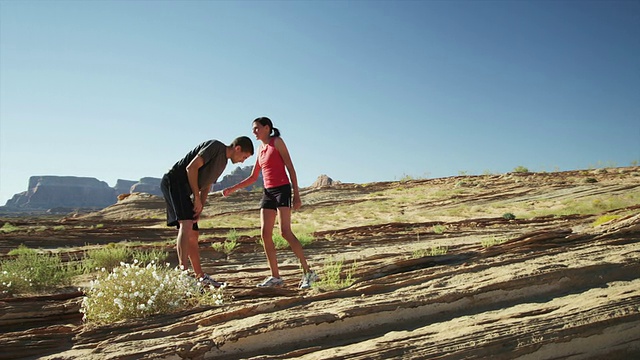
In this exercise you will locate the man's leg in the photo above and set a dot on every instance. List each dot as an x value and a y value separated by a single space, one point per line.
194 251
183 243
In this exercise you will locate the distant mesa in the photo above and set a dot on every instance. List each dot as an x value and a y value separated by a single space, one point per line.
63 194
237 175
124 186
147 185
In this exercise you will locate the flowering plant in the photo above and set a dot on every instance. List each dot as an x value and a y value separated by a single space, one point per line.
136 291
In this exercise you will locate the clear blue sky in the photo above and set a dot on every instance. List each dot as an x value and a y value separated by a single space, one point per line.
362 91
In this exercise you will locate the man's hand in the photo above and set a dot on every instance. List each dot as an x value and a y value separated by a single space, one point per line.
197 207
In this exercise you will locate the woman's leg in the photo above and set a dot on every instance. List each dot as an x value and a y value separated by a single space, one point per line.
284 214
267 221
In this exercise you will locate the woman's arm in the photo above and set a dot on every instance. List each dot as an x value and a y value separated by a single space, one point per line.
284 152
255 173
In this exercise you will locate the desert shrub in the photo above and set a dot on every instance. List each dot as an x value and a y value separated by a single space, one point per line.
590 180
149 256
520 169
227 247
508 216
8 227
132 291
32 272
605 219
434 251
22 250
107 257
333 276
281 243
439 229
233 235
492 242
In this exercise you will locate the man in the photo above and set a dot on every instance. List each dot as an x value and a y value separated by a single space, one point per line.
185 188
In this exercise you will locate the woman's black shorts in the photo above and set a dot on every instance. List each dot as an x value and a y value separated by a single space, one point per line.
276 197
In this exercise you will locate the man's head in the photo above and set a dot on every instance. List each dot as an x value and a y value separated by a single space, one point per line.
241 149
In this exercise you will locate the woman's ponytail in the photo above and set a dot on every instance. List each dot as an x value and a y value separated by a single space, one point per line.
265 121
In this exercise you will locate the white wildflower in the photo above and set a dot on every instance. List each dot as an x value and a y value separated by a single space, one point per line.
118 302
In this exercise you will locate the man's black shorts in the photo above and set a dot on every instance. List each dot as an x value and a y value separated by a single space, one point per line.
177 195
276 197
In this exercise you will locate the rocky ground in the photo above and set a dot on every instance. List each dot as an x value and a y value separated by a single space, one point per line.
558 287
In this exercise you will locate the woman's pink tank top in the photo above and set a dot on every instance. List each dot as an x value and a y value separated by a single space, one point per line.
273 169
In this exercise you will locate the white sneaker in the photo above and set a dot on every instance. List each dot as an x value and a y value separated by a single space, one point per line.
270 282
308 279
208 280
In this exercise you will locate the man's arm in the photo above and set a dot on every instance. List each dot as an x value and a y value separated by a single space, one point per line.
192 175
203 197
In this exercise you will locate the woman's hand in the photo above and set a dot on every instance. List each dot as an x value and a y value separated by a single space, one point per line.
297 202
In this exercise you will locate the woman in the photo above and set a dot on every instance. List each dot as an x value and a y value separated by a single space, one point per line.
273 158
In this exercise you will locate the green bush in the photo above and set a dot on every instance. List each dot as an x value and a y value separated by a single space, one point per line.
233 235
508 216
605 219
21 250
108 257
434 251
332 276
227 247
520 169
492 242
281 243
32 272
149 256
8 227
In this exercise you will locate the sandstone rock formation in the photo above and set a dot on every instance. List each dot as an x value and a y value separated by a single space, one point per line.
557 285
149 185
323 181
237 175
45 192
124 186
